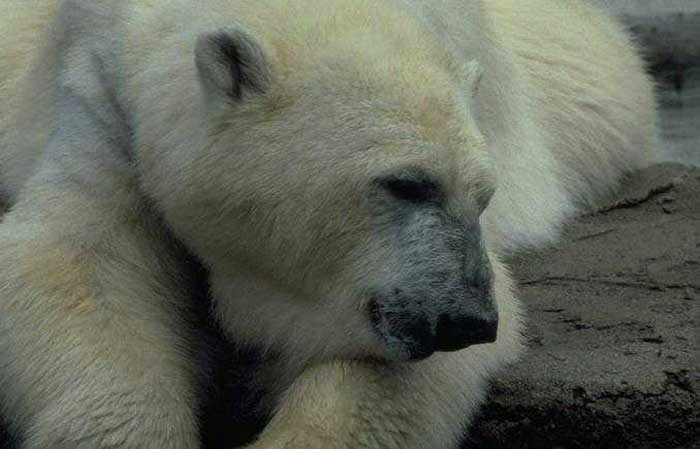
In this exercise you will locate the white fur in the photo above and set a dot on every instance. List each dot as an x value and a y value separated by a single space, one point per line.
109 141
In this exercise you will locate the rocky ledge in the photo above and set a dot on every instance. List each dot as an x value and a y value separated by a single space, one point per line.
614 328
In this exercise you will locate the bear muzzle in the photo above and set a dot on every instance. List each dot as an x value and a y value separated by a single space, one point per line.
442 297
415 331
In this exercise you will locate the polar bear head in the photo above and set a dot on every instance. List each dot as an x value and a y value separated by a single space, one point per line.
334 190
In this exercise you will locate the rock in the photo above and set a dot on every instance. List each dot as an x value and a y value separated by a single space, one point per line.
614 358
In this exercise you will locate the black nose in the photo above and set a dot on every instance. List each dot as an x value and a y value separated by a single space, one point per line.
451 333
411 334
454 333
419 336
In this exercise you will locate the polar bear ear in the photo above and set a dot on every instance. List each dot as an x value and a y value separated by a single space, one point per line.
231 64
474 73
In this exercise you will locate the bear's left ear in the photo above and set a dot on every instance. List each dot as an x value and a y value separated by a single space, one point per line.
231 64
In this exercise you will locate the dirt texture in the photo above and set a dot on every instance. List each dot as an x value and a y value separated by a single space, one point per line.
613 333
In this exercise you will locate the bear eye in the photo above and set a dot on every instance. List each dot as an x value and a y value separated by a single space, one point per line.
414 189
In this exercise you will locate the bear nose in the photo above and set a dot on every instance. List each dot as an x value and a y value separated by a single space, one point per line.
457 332
418 331
452 333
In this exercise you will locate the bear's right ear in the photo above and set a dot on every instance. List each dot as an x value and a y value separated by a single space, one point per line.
231 65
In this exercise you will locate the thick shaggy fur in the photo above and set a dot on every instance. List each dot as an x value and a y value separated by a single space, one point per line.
123 140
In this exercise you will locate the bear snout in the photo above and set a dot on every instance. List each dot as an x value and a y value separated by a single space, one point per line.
458 332
413 329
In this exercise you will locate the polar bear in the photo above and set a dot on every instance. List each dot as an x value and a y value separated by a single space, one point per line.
342 177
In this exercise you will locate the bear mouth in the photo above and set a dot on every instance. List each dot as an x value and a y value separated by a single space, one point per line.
417 334
402 343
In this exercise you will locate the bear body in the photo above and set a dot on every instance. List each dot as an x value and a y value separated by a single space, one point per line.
342 176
